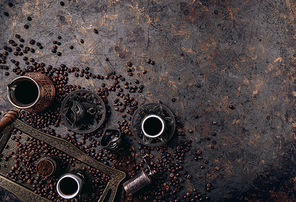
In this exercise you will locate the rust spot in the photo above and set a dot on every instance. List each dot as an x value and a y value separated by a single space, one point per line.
198 129
200 105
122 53
216 53
117 48
206 128
186 12
189 13
62 18
183 5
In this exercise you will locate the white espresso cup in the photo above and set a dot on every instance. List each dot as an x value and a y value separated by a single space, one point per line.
69 185
153 126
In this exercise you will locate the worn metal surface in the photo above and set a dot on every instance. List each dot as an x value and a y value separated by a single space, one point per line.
241 52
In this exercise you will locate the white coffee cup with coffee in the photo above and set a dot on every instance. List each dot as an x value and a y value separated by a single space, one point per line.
69 186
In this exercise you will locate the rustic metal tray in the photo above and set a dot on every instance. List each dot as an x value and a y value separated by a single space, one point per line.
26 194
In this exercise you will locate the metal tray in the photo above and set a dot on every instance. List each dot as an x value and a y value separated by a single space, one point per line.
26 194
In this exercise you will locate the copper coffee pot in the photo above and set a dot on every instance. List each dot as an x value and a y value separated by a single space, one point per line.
33 92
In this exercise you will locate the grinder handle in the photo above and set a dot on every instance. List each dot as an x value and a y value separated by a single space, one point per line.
8 119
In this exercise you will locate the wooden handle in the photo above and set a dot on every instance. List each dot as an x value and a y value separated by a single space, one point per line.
8 119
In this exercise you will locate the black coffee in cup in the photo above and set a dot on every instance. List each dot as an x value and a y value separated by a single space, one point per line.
68 186
152 126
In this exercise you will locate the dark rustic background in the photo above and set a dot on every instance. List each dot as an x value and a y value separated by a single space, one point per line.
208 55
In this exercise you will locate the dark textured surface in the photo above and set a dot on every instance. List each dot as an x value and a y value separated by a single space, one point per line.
241 52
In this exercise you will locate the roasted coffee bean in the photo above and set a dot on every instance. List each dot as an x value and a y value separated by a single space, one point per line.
32 41
6 14
129 64
198 152
59 54
96 31
10 4
26 26
71 47
62 3
81 41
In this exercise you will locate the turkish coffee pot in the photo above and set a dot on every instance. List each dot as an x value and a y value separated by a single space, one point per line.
33 92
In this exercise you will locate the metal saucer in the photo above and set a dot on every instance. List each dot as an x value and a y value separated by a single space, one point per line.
83 111
157 109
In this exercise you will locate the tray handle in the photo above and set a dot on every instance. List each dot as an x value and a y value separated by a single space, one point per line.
8 119
110 192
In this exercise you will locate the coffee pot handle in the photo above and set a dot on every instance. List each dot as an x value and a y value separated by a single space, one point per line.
8 119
